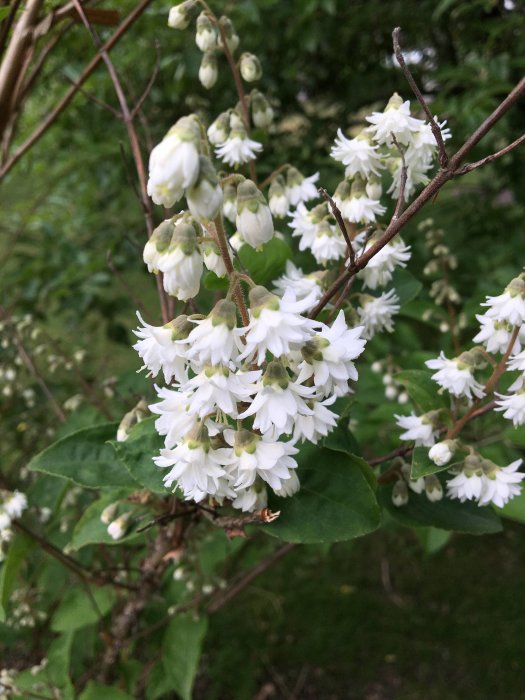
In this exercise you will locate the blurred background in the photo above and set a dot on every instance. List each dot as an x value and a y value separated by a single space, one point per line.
394 615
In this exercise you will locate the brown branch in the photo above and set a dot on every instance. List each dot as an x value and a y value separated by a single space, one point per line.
469 167
340 222
64 102
443 157
426 195
219 234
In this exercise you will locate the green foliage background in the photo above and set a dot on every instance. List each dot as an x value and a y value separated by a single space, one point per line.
68 208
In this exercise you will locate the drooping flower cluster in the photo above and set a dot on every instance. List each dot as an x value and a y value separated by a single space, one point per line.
242 397
485 482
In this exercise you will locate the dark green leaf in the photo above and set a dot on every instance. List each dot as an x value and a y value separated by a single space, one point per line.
421 389
341 439
85 458
79 608
97 691
336 501
268 263
181 650
406 285
137 453
423 466
10 567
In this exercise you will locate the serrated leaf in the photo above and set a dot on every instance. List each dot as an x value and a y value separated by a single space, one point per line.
447 514
421 389
86 458
137 453
78 608
336 501
181 651
91 530
10 567
268 263
97 691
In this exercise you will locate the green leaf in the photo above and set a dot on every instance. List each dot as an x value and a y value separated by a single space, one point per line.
341 439
336 501
421 389
423 466
79 608
268 263
85 458
181 650
516 435
97 691
215 283
4 11
433 540
447 514
137 453
9 569
55 673
515 509
406 285
91 530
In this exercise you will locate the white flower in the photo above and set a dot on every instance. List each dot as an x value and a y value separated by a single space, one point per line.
182 264
289 487
376 313
418 428
329 355
15 505
415 176
304 224
174 162
466 486
302 284
229 205
423 146
196 468
250 499
395 120
517 362
277 402
361 209
174 422
300 188
328 244
275 324
500 484
509 306
179 15
238 148
317 425
251 456
379 270
277 198
442 452
216 387
514 407
495 335
455 376
358 154
213 340
159 351
212 258
158 244
254 219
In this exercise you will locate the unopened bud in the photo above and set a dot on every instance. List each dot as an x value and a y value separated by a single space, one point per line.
209 70
400 493
433 488
180 15
250 67
206 36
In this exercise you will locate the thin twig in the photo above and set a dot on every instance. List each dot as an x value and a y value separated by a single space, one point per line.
136 109
340 222
469 167
94 99
443 157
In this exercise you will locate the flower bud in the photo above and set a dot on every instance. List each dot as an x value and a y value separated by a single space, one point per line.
391 392
157 244
442 452
117 528
180 15
254 219
206 36
205 198
400 493
108 514
136 415
213 259
229 204
232 40
276 374
262 113
219 130
250 67
278 200
373 188
208 71
433 488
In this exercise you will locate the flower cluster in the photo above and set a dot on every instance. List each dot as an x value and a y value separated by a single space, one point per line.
485 482
12 505
242 397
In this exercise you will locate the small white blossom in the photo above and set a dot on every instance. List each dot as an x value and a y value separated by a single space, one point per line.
213 340
328 244
418 428
495 335
442 452
455 376
380 268
300 188
500 484
250 499
376 313
514 407
216 387
254 219
159 351
317 425
117 529
358 154
238 148
182 264
219 130
395 120
174 420
302 284
517 362
15 504
509 306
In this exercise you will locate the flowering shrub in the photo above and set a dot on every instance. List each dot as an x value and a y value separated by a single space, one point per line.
276 294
